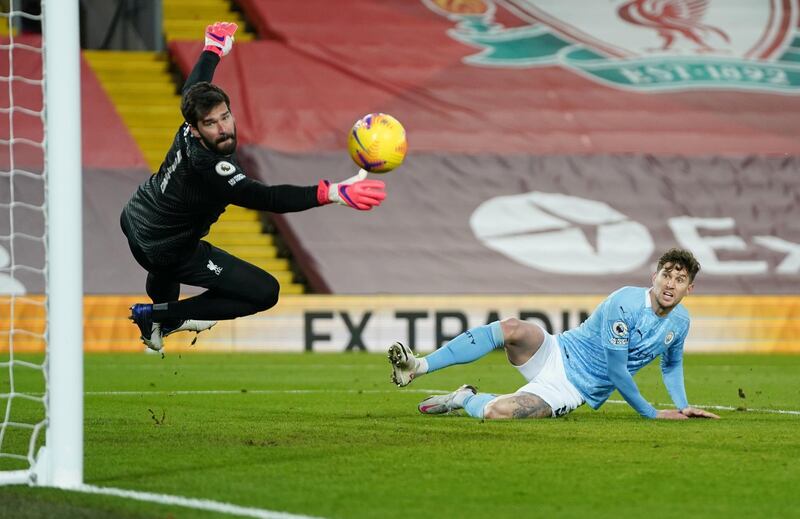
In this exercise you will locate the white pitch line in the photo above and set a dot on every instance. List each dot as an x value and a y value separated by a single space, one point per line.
155 365
379 391
261 392
725 408
188 502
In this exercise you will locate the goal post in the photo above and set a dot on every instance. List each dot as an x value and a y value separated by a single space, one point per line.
52 445
63 455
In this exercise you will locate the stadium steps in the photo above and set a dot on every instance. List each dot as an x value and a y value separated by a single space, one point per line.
239 231
129 77
186 19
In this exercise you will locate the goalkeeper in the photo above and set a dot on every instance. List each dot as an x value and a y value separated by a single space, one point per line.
168 215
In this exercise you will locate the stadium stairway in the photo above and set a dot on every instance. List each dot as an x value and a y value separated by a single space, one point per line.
186 19
142 89
129 77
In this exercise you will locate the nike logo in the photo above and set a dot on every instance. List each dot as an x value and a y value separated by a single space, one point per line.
220 39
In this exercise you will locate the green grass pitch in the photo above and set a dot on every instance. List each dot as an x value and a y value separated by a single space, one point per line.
327 435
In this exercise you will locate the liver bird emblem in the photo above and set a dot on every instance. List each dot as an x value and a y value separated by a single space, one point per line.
671 19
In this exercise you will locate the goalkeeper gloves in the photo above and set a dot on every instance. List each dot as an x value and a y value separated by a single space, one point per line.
355 192
219 37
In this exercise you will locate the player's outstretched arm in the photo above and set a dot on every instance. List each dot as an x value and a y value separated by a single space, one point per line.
218 43
672 373
356 192
616 360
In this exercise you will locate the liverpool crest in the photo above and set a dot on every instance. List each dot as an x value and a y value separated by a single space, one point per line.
643 45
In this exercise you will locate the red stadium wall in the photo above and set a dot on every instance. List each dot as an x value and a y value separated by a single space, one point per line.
113 167
330 62
717 160
106 141
548 154
562 163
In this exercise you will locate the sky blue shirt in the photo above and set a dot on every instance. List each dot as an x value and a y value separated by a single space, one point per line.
625 322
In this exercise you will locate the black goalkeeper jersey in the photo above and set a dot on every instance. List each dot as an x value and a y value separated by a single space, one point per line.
173 209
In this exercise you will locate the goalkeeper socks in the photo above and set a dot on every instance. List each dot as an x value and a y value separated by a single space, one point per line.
205 306
467 347
475 404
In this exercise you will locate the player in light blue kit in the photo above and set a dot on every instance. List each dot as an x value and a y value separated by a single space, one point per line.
629 329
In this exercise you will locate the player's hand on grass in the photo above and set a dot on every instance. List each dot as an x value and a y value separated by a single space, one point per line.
693 412
219 37
670 414
356 192
685 414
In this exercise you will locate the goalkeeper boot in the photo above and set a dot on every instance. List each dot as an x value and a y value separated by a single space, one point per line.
189 325
442 404
142 316
404 364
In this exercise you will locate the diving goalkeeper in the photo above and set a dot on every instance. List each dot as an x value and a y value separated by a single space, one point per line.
169 214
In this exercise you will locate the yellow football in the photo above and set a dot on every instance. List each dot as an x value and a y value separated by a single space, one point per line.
377 143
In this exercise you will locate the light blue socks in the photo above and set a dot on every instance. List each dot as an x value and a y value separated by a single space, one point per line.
474 404
467 347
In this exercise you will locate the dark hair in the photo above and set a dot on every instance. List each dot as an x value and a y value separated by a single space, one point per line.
680 259
200 99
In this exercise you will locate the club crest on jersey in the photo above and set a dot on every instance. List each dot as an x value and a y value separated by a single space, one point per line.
225 168
641 45
670 336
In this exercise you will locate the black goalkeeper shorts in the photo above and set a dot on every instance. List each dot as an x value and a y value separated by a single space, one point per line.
208 267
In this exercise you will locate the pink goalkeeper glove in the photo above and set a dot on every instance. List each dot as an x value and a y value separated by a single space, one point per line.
219 37
355 192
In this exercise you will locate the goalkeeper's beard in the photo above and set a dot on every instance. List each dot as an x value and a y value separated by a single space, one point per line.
224 144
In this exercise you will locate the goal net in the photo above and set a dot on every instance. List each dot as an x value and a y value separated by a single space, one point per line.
40 245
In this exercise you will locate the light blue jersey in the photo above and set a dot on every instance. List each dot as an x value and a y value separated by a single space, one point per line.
625 322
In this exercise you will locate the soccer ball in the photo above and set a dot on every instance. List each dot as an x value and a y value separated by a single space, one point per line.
377 143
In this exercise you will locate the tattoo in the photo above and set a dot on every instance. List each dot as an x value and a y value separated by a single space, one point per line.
527 405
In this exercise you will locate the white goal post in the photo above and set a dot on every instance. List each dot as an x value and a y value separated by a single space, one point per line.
59 461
